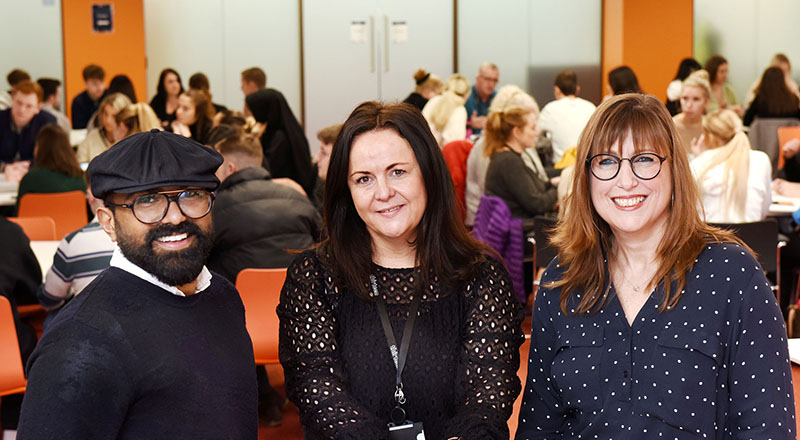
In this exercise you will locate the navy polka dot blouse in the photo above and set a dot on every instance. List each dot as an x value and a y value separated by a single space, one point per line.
716 366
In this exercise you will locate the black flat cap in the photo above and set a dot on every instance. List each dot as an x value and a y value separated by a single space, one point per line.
151 160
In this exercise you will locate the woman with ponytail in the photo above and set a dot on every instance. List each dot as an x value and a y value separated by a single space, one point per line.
734 179
446 114
526 190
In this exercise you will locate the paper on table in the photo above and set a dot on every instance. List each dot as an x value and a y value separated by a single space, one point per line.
794 350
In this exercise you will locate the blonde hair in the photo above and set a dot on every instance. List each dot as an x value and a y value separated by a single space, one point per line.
510 96
499 126
117 101
427 81
699 79
139 118
733 154
454 96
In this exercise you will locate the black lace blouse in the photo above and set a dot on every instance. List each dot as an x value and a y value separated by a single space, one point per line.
460 378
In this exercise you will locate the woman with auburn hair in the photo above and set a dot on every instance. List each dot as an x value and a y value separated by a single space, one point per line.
735 180
446 114
651 323
510 134
195 115
773 98
55 168
398 263
722 94
135 118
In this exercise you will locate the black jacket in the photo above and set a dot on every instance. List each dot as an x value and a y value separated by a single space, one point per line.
256 220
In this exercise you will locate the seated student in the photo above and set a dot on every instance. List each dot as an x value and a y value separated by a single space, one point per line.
51 101
565 117
253 80
326 136
135 118
165 101
101 138
20 274
122 84
199 81
194 116
527 192
734 180
85 104
255 221
446 114
773 98
81 256
695 96
428 85
14 77
55 168
20 124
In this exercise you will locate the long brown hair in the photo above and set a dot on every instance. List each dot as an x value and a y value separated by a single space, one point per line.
583 238
203 112
444 248
774 97
54 153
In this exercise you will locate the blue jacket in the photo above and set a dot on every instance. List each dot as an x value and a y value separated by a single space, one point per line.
12 143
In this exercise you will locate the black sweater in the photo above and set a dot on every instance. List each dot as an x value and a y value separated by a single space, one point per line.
128 360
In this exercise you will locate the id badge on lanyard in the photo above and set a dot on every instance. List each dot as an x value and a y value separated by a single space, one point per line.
400 428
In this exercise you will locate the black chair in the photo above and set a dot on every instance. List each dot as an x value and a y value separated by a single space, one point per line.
764 239
539 236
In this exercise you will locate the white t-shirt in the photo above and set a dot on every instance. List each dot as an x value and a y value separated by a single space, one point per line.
759 191
565 119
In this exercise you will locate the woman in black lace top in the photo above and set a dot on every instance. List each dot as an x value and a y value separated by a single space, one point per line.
391 217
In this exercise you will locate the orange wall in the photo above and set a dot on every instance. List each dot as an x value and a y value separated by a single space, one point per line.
119 52
650 37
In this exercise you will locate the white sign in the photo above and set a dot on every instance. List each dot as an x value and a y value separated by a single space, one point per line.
358 32
399 32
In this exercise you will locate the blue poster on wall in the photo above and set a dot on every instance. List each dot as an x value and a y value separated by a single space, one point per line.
102 18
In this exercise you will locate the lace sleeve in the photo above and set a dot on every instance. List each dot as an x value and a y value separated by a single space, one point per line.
487 380
309 354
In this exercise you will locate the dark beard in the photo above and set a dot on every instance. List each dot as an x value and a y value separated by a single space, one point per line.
174 268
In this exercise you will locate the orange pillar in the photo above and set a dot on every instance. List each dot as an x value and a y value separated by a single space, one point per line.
121 51
649 37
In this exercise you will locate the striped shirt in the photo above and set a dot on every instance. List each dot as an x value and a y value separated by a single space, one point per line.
80 257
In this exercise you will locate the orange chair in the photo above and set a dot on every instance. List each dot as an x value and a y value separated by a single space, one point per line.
12 377
37 228
68 209
260 290
785 134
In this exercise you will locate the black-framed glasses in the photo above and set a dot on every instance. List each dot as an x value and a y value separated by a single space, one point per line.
152 208
645 166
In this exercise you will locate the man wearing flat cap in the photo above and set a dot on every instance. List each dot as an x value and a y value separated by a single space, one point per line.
156 346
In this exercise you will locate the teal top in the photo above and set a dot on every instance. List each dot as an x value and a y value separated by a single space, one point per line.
43 180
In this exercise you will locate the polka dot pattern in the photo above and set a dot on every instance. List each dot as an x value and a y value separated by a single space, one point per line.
460 377
715 366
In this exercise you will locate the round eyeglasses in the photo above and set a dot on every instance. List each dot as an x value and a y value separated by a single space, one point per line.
152 208
645 166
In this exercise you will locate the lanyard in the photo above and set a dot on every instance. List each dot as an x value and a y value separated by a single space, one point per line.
399 358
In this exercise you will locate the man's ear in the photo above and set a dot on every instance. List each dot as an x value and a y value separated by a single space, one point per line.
106 219
577 90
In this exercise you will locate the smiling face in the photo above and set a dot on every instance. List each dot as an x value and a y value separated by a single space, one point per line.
631 206
693 102
186 110
173 250
387 187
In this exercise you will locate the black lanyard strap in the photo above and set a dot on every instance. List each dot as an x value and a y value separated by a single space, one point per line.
399 358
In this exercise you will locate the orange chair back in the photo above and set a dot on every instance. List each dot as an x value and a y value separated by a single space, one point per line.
12 378
68 209
37 228
260 290
785 134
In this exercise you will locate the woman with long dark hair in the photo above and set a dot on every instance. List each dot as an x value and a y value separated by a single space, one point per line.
398 265
165 102
195 115
773 98
286 152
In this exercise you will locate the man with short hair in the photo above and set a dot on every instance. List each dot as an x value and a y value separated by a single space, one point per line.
51 101
20 124
253 80
156 345
255 221
13 78
565 117
480 98
85 104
